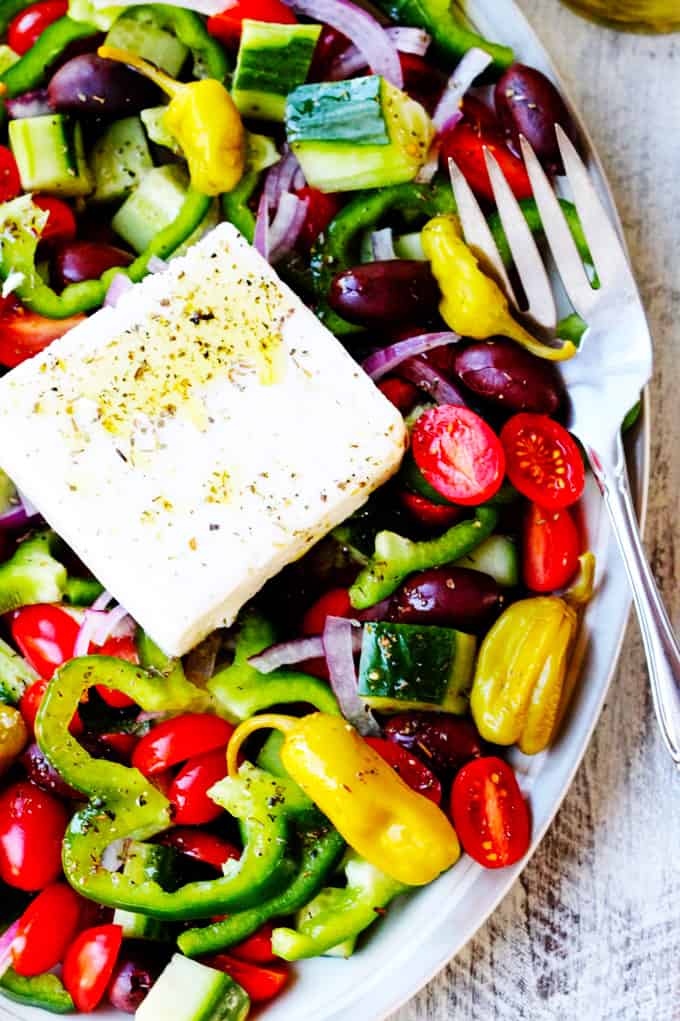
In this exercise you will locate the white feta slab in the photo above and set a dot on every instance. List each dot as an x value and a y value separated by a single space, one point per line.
196 438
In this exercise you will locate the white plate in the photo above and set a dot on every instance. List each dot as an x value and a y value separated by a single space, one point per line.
425 930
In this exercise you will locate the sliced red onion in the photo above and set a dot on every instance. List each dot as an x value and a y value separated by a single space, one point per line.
286 226
113 857
271 185
470 67
406 40
338 645
387 359
424 375
112 623
91 622
102 601
29 104
30 508
261 236
156 265
6 941
14 517
378 611
299 180
118 286
410 40
282 177
382 244
361 28
287 654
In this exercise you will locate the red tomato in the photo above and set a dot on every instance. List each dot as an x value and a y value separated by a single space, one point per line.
480 116
45 635
226 26
490 815
61 222
544 463
89 964
32 825
46 928
400 392
458 454
466 144
10 182
260 983
258 947
189 791
321 209
122 647
432 515
551 548
24 334
334 603
330 45
179 739
30 703
203 847
422 81
122 744
413 772
30 23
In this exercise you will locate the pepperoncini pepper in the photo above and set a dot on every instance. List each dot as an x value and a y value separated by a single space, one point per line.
519 680
203 118
473 304
13 736
399 831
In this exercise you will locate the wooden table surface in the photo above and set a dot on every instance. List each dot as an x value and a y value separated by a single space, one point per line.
591 931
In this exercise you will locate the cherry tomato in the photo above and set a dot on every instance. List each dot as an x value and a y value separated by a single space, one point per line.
422 81
122 647
10 182
32 825
402 394
458 454
413 772
24 334
480 116
226 26
189 791
334 603
490 815
61 222
465 144
201 846
45 635
258 947
260 983
179 739
432 515
551 548
89 964
321 209
330 45
46 928
543 461
30 23
122 744
30 703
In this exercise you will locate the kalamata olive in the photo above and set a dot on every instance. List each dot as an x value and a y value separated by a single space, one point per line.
88 84
443 741
85 260
528 104
451 596
137 968
28 104
506 374
44 775
398 290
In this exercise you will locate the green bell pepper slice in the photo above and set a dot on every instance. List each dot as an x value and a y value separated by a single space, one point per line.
46 992
235 205
32 574
31 69
209 56
81 591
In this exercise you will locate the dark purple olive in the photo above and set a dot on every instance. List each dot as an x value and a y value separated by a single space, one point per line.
102 88
527 103
137 968
29 104
85 260
444 742
511 377
451 596
45 775
398 290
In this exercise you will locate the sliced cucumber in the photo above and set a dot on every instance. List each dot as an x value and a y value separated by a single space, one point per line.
153 119
50 155
272 61
143 862
90 13
138 31
410 246
153 205
190 991
7 57
497 556
119 160
261 152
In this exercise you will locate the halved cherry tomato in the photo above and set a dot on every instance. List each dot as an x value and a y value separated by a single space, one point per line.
543 461
179 739
61 222
24 334
459 454
260 983
432 515
334 603
201 846
10 182
321 209
30 703
258 947
45 635
551 548
122 744
490 815
413 772
422 81
46 928
89 964
466 144
30 23
226 26
189 791
122 647
480 116
400 392
32 825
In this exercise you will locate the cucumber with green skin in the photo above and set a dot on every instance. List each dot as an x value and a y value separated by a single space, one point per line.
119 160
143 862
138 31
50 155
272 61
190 991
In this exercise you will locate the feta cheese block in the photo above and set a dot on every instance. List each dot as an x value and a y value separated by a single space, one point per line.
195 438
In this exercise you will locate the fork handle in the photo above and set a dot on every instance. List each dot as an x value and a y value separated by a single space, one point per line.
660 644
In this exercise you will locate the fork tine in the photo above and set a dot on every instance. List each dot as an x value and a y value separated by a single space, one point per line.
527 259
476 230
562 244
603 241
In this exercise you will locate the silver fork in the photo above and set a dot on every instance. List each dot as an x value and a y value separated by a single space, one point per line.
605 378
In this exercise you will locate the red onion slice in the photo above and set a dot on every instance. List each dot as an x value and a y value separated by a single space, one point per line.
429 379
102 601
387 359
118 286
287 654
156 265
378 611
261 236
382 244
338 644
406 40
286 226
470 67
92 620
15 517
6 941
116 621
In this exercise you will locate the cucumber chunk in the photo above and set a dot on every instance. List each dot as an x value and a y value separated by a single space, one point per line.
119 160
272 61
50 155
497 556
153 205
153 119
143 862
261 151
190 991
138 32
410 246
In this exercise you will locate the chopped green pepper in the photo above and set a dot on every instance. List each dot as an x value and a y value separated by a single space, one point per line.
32 574
209 56
451 38
235 205
82 591
15 674
46 992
